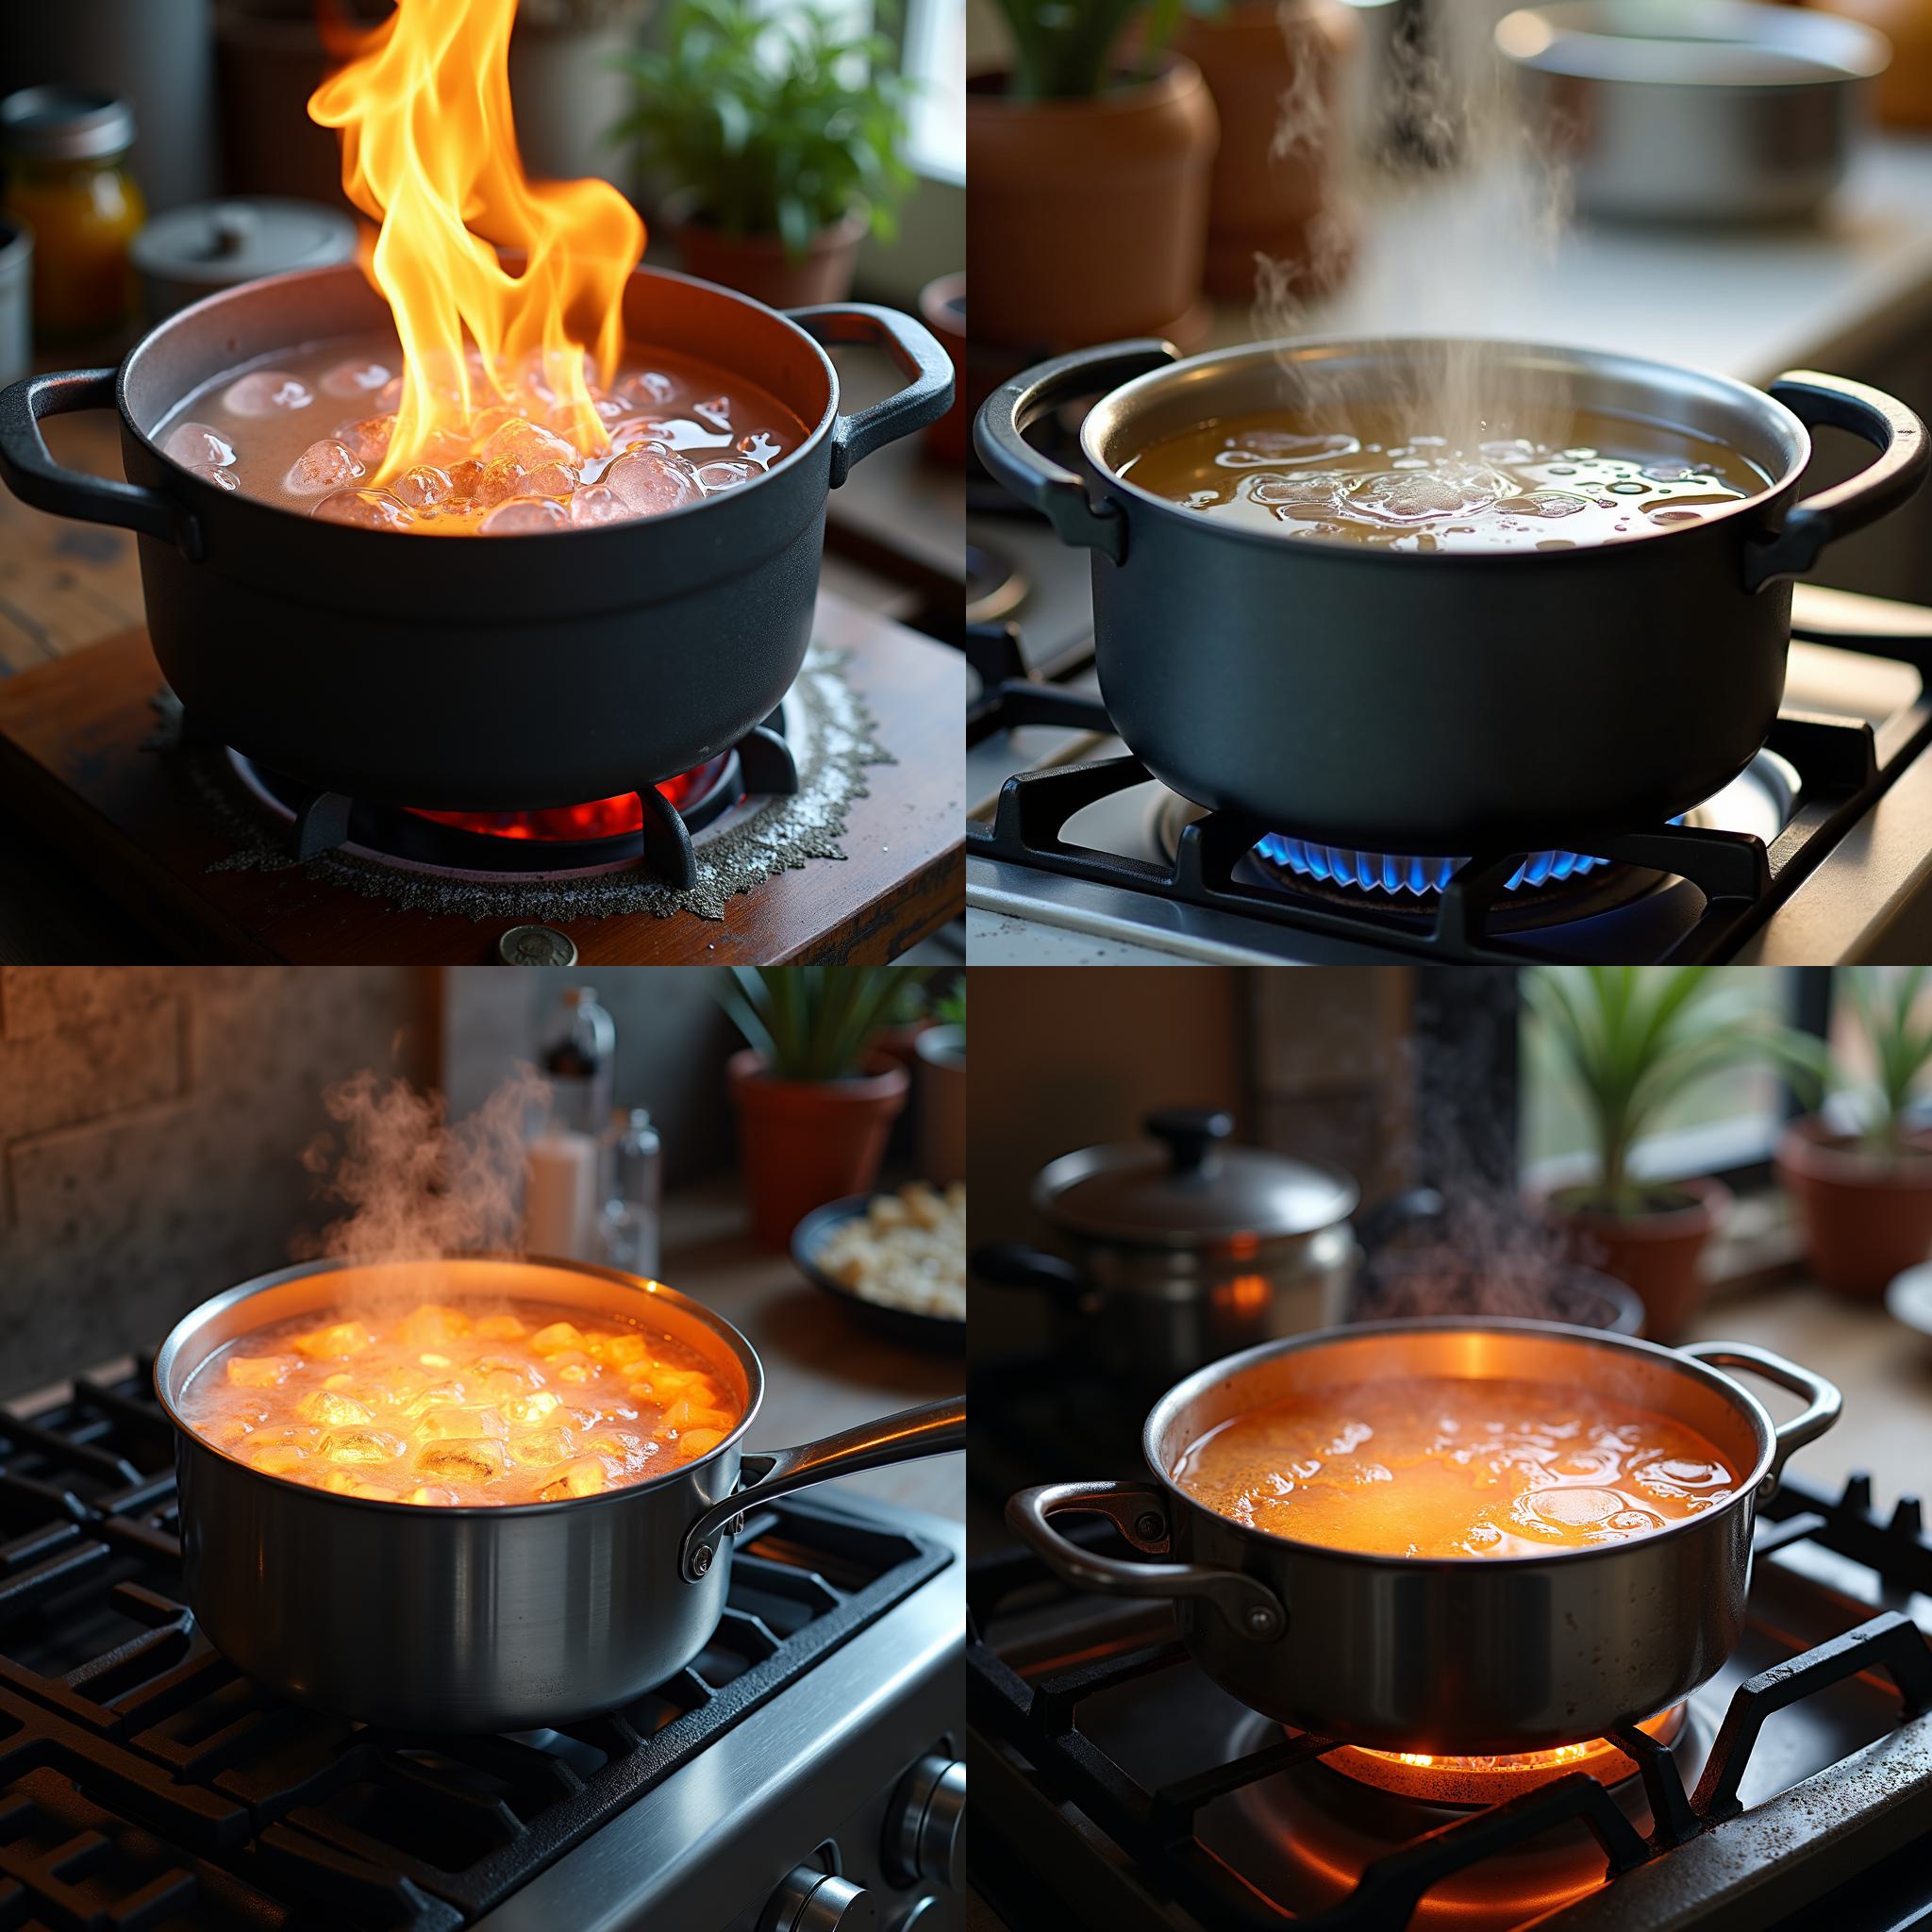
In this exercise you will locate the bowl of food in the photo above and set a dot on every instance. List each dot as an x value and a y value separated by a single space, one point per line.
895 1262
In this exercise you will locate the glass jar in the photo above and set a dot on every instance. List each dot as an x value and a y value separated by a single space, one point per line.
67 180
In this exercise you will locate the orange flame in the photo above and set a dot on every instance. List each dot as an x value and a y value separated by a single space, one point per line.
429 150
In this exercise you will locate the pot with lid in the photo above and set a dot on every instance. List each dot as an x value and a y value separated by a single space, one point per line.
1185 1247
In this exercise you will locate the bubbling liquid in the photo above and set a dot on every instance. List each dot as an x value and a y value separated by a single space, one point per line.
515 1403
309 430
1446 1466
1609 480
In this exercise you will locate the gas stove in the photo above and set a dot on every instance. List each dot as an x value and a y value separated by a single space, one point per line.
802 1767
1116 1787
1817 854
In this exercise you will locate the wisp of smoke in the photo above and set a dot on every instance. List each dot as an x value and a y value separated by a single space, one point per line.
412 1184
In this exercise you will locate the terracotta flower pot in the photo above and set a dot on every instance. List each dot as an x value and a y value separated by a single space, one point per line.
1090 216
757 266
1865 1218
942 308
1655 1255
805 1142
1254 57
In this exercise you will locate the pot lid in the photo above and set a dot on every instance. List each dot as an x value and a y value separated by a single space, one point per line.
1186 1186
66 124
219 244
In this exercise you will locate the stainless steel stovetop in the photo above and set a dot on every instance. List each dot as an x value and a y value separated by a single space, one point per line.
1853 876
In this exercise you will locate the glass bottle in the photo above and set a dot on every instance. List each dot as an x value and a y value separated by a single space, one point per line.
631 1219
580 1063
67 179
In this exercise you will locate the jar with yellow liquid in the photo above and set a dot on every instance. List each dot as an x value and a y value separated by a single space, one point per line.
67 180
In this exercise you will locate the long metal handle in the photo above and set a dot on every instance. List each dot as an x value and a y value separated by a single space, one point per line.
931 1429
1138 1512
31 472
1822 1399
912 347
1037 481
1014 1265
1903 457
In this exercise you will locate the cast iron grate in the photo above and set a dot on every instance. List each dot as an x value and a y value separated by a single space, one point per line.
147 1785
1039 1718
1843 767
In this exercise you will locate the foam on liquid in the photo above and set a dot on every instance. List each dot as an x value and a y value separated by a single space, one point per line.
1443 1466
1609 479
437 1405
309 430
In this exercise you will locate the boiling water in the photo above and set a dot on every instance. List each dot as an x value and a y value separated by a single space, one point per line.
1610 478
309 430
519 1403
1442 1466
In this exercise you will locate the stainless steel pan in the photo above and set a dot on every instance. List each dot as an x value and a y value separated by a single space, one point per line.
482 1619
1467 1656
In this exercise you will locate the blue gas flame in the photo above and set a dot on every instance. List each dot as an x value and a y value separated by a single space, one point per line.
1383 872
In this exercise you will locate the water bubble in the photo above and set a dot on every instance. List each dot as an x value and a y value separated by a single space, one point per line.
648 391
717 412
594 503
322 466
368 509
727 475
1629 489
193 443
761 447
357 377
266 393
525 515
369 437
649 481
209 472
422 486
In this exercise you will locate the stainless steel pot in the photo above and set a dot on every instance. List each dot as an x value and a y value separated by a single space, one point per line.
482 1619
1184 1247
1689 110
1448 702
1466 1655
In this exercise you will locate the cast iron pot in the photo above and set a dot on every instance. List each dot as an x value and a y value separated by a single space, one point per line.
482 1619
1457 1655
485 673
1447 703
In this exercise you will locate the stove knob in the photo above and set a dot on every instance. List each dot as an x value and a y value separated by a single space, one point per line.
814 1901
925 1828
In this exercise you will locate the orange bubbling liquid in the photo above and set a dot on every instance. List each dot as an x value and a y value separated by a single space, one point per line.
524 1402
1446 1466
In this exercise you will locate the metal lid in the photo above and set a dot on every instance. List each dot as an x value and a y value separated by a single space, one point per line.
66 124
220 244
1186 1188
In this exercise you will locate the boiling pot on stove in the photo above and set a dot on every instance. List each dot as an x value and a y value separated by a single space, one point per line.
1183 1246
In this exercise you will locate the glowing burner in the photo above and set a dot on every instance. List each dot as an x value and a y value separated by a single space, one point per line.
1380 871
603 818
1489 1780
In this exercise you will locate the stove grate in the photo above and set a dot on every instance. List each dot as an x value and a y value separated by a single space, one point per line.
1038 1718
145 1784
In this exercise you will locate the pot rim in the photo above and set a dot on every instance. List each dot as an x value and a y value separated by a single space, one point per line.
1816 1150
1108 410
1134 89
1709 1199
1190 1387
882 1071
198 488
220 1305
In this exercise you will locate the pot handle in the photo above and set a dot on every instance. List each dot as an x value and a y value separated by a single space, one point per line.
1903 457
1822 1401
1014 1265
31 472
912 347
1058 493
931 1429
1138 1512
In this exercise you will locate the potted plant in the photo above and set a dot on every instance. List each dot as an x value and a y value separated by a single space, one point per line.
779 136
942 1088
1864 1195
1090 166
815 1097
1275 70
1632 1040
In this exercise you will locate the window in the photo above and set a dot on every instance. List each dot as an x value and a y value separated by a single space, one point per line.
935 58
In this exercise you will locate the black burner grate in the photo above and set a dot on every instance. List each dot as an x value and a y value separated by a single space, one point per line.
1153 1829
144 1785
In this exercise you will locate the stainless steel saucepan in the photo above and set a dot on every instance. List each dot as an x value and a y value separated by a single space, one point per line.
483 1619
1459 1656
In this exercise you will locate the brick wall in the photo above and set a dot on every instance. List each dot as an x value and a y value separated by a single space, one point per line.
151 1121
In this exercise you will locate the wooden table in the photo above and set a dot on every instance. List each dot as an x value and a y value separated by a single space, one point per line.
823 1371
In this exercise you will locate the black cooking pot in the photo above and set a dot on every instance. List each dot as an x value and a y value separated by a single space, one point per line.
489 673
1442 703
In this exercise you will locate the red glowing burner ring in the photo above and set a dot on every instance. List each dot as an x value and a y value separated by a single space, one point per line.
603 818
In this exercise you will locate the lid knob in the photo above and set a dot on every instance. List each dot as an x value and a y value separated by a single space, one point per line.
1189 1134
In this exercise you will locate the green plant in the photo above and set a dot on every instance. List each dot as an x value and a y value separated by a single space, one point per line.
772 123
1635 1038
1071 49
809 1023
950 1008
1884 1003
